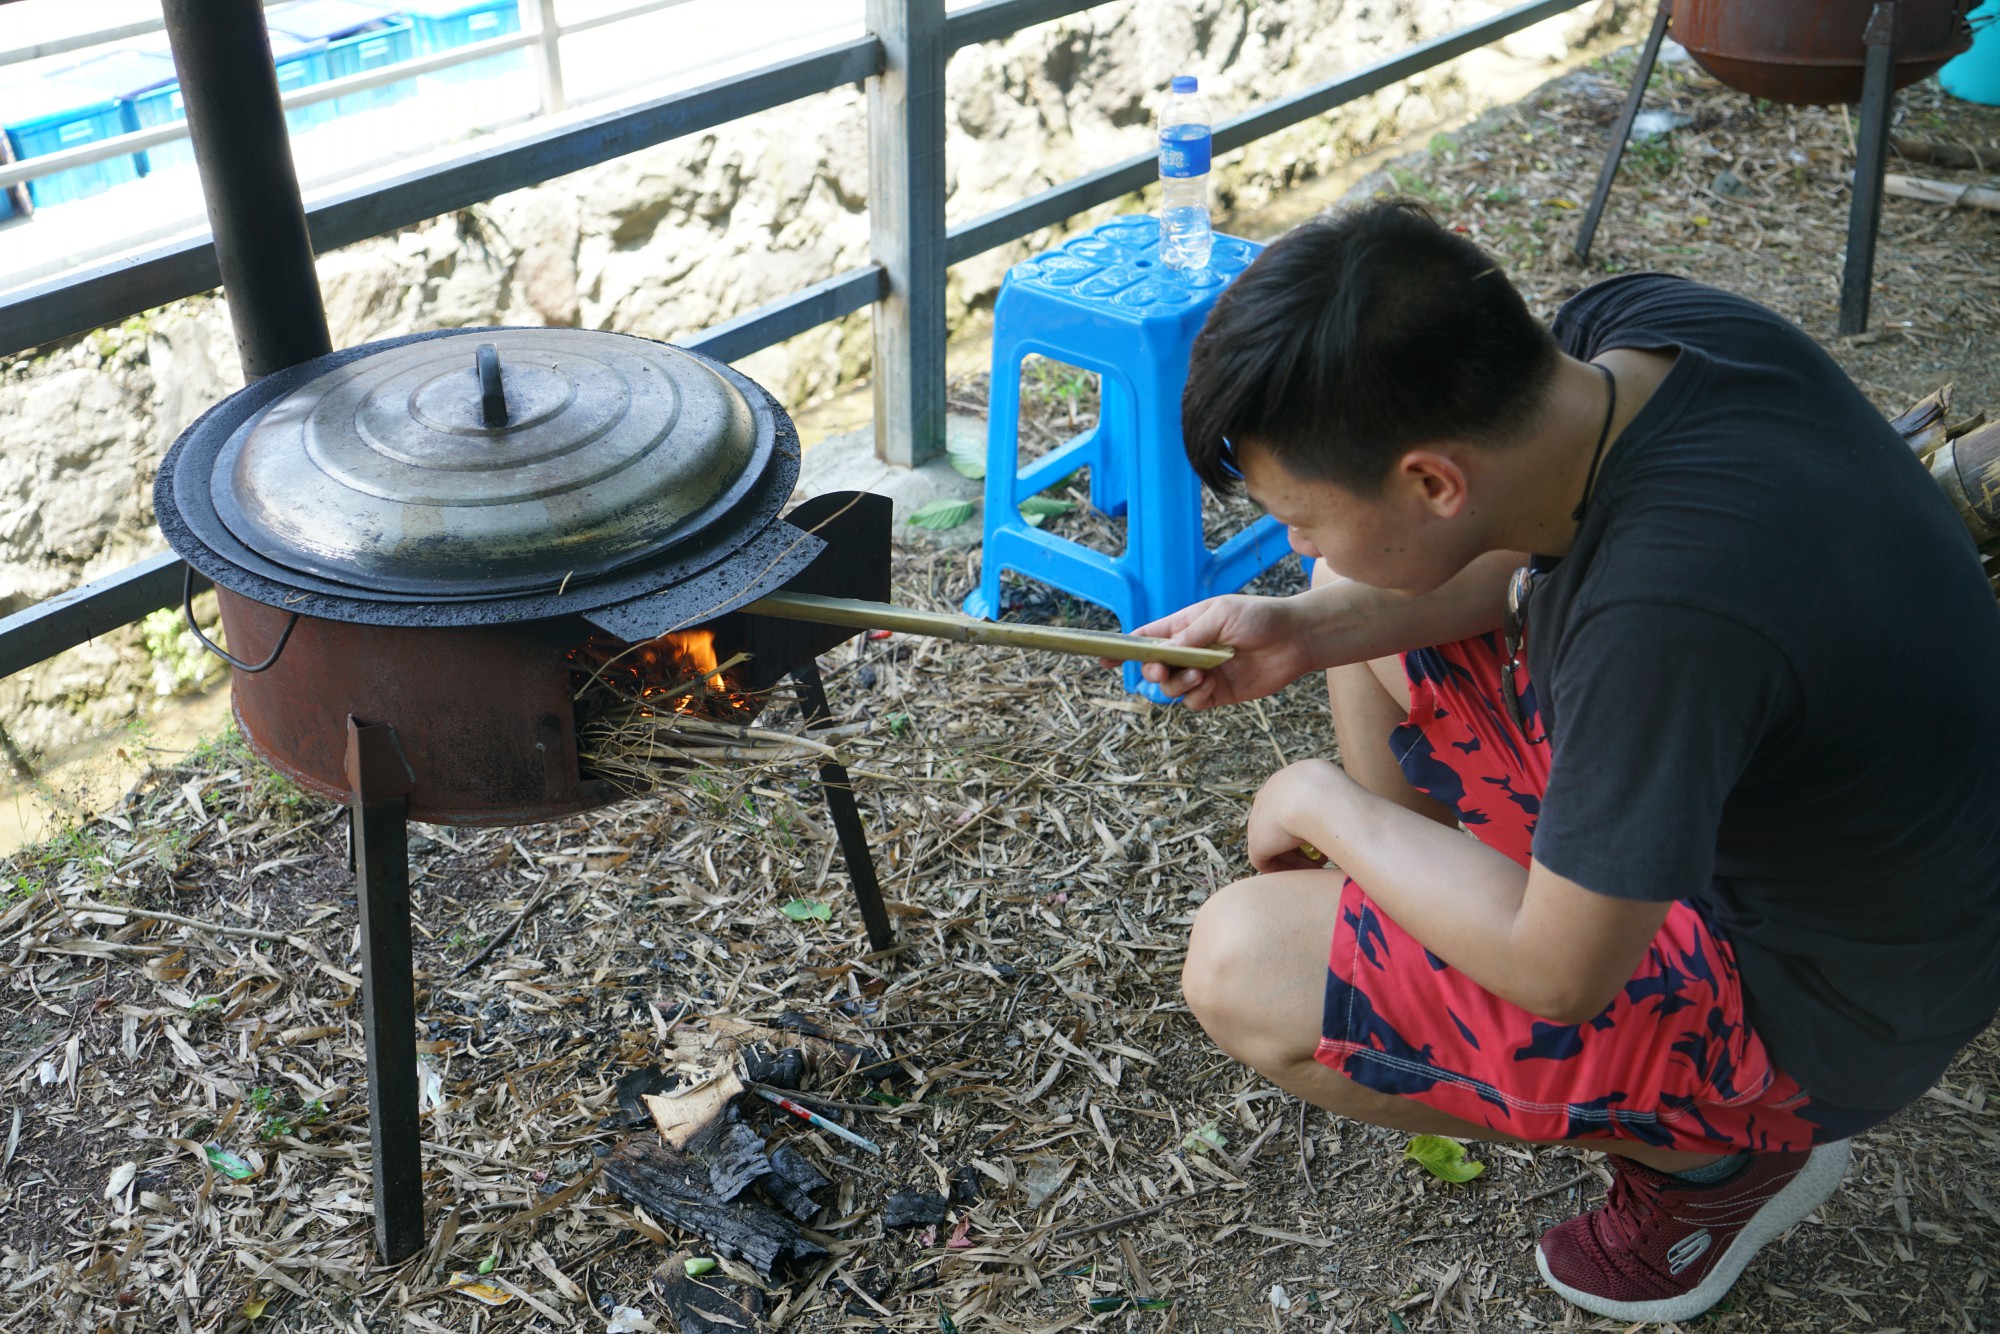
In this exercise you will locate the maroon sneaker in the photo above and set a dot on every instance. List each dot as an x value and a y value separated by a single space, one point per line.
1659 1249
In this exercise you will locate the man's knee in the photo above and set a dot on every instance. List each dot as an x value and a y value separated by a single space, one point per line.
1241 983
1219 944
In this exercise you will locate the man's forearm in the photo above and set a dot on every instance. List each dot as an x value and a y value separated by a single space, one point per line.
1353 622
1454 894
1549 945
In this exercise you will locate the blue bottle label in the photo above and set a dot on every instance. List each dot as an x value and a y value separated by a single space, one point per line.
1184 150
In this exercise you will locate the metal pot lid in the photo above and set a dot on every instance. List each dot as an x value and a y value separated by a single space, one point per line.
494 460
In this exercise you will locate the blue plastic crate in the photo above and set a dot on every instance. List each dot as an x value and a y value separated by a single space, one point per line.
160 106
441 25
298 62
390 44
328 20
49 115
300 65
357 36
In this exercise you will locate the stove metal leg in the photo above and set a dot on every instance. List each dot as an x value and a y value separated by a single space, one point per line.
1871 160
839 789
1641 74
380 780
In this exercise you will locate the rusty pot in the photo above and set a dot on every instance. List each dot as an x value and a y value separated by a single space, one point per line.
1811 52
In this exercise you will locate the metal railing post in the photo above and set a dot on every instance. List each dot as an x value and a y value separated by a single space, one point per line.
539 17
223 56
906 226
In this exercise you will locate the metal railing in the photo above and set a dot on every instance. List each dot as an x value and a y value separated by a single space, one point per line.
544 37
901 58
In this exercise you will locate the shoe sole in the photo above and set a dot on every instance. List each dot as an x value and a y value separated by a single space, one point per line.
1812 1187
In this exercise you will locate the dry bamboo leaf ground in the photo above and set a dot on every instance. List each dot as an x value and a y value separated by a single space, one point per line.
1045 838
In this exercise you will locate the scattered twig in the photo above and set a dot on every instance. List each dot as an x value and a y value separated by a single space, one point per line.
507 932
1105 1225
154 915
1547 1191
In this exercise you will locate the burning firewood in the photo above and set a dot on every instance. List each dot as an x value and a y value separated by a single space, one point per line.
647 711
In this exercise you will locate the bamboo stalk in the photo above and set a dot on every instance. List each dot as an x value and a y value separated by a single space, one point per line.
970 630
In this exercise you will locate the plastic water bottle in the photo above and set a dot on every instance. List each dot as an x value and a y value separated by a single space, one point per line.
1185 234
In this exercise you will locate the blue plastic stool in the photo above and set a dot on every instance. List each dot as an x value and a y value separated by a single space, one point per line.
1104 302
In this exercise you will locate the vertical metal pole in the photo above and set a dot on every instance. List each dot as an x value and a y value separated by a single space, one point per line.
839 789
1642 73
1871 160
223 55
380 780
539 16
906 226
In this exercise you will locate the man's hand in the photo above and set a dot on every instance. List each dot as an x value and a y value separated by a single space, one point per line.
1276 843
1265 632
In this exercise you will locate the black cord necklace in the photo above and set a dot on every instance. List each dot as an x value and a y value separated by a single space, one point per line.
1603 436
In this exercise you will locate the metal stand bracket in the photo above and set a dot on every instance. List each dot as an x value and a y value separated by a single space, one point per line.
839 789
1864 211
381 781
1642 74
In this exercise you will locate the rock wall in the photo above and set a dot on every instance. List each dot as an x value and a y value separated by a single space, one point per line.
676 238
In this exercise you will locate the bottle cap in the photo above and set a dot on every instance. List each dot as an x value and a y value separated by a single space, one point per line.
1185 83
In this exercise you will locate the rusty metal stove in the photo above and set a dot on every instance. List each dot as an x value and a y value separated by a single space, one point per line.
416 539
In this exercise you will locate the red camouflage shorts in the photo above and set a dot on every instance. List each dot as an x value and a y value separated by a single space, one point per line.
1670 1062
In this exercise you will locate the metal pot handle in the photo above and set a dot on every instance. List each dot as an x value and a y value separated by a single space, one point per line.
187 609
492 389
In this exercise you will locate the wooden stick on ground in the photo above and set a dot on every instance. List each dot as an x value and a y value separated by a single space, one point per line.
971 630
1945 154
1941 192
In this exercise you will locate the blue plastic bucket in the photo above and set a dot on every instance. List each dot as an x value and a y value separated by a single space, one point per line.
1975 75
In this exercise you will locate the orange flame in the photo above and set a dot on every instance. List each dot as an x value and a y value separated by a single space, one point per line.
659 671
697 649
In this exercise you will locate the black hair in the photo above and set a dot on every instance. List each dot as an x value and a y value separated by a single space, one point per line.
1355 337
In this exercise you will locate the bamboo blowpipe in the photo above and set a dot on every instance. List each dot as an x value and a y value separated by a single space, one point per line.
971 630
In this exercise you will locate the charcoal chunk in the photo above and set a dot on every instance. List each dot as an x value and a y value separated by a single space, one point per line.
913 1208
780 1069
631 1089
792 1181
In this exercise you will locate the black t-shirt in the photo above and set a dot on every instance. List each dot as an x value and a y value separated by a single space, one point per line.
1770 671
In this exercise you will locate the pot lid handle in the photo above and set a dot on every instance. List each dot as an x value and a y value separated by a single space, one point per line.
492 391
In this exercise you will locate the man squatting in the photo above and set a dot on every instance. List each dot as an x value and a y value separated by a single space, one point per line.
1732 893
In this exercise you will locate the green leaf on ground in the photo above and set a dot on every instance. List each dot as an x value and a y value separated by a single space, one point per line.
698 1265
1443 1158
1204 1139
967 458
1037 508
227 1163
941 514
808 910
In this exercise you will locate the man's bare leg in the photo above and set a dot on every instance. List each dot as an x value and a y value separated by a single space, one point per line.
1256 979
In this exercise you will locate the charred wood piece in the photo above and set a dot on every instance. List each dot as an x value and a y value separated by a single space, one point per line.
674 1188
711 1304
735 1156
